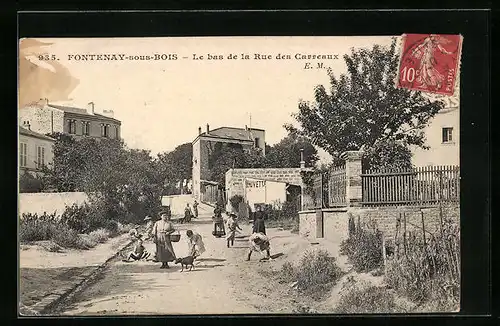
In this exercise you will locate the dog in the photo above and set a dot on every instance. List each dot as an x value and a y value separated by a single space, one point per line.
186 261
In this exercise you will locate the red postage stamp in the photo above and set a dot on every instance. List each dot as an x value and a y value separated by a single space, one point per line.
430 62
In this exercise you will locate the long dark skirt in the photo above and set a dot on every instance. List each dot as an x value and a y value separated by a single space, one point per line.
164 249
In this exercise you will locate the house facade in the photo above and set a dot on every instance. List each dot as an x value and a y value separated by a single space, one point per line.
45 118
443 137
35 151
205 142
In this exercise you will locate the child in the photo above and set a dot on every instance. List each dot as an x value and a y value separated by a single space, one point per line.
195 244
149 236
232 225
139 251
259 242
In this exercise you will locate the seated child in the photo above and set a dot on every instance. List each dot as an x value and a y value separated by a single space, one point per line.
139 251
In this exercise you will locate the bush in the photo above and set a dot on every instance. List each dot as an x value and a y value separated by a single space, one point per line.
88 217
235 202
315 275
430 272
372 299
363 249
99 235
29 183
288 273
123 228
67 237
37 228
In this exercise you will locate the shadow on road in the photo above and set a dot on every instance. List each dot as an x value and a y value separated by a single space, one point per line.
277 255
211 259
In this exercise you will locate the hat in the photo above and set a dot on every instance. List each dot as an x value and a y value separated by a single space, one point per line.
163 211
148 218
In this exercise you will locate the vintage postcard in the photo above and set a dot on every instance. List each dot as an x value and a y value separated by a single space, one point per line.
239 175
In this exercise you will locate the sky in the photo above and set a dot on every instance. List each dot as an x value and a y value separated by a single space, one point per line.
161 103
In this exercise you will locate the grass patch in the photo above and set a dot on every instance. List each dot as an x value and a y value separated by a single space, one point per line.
291 224
372 299
56 233
315 274
364 250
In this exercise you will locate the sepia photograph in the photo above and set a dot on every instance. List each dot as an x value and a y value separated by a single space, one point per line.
239 175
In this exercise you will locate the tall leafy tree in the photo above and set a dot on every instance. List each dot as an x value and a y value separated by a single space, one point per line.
286 153
364 109
126 182
175 166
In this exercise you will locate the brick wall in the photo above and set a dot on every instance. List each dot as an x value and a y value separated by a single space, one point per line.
385 218
335 222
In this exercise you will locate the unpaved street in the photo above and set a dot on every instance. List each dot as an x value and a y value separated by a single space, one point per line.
222 282
144 288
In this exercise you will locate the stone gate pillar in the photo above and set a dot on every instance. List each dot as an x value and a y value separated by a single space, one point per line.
353 169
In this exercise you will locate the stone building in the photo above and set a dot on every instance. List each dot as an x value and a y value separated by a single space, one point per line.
205 143
35 150
45 118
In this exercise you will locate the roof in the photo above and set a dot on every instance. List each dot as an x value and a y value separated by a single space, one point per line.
241 134
71 109
27 132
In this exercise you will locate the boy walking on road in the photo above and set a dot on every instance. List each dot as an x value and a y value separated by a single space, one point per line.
232 225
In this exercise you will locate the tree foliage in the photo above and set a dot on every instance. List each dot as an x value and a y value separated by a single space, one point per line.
364 109
125 182
286 153
30 183
175 166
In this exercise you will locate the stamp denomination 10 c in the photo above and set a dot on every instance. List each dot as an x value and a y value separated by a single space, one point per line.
430 62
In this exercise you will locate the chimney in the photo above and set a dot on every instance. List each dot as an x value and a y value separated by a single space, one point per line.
108 113
199 130
44 101
90 108
208 128
302 162
26 124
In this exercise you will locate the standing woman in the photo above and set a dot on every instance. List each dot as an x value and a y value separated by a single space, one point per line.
161 235
195 208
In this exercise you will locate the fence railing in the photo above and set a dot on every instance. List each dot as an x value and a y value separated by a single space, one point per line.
337 186
420 186
329 189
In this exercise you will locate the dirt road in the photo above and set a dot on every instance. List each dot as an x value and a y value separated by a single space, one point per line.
144 288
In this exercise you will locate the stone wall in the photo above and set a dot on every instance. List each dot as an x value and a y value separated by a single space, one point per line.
42 119
49 202
235 177
385 218
335 221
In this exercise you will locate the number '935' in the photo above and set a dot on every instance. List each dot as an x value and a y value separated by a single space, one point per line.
45 57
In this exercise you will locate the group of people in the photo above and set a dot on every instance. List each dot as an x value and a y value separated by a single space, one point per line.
188 213
259 242
160 233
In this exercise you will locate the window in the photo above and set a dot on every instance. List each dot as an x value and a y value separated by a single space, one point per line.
104 130
23 154
40 154
447 135
85 128
256 142
72 126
